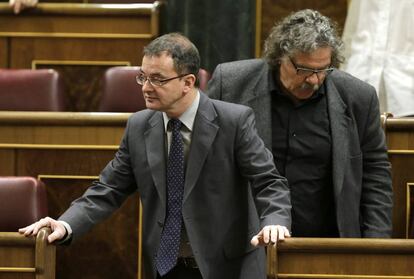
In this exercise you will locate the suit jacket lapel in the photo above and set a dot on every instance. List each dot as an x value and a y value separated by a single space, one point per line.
260 101
339 123
155 142
204 132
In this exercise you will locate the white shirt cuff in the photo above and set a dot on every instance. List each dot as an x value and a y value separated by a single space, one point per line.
68 230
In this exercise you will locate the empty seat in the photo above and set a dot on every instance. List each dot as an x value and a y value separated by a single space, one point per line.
22 202
203 78
121 93
31 90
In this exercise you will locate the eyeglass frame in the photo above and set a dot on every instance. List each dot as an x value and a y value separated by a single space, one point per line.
311 72
161 82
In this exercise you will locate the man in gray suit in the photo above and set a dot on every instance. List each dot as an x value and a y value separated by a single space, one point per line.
322 125
226 166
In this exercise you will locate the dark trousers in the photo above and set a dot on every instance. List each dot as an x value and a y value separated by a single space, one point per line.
182 272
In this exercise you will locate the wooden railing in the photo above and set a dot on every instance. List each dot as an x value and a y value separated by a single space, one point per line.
27 257
341 258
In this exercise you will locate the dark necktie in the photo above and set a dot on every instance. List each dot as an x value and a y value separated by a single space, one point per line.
170 238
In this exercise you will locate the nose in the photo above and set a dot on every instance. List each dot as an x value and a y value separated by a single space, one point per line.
313 78
147 85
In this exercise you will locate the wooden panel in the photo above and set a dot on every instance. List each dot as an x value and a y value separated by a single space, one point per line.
341 258
80 41
64 128
113 243
274 10
410 210
3 53
403 173
74 23
400 142
25 51
7 162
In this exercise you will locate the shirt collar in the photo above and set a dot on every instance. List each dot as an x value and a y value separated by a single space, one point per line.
188 117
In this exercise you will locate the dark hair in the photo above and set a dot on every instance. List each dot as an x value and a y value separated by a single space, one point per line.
303 31
183 52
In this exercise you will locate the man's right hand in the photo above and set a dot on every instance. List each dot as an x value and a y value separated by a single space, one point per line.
19 5
58 229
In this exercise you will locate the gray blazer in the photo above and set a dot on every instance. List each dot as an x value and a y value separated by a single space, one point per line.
361 170
228 168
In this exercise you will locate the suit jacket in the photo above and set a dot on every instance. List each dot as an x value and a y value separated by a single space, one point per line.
360 167
228 167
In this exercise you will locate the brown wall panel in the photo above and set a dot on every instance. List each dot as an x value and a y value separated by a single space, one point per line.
7 162
400 142
77 24
400 139
403 173
53 161
3 53
25 50
113 243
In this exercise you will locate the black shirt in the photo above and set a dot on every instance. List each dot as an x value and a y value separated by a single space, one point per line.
301 146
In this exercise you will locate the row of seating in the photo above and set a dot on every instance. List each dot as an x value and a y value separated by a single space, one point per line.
42 90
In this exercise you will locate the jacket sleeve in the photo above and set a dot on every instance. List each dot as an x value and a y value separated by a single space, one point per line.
377 197
116 182
270 190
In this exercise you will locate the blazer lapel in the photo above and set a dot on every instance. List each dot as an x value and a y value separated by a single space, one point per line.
260 101
339 123
155 149
204 132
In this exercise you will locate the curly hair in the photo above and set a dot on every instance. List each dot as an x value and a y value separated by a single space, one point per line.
303 31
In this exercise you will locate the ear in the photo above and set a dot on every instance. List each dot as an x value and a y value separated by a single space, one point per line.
189 82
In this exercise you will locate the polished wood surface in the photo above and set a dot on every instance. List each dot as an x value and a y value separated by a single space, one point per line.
80 41
27 257
321 258
67 151
62 129
400 141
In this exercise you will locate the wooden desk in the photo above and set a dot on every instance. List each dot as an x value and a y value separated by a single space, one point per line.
400 141
67 151
78 40
24 257
334 258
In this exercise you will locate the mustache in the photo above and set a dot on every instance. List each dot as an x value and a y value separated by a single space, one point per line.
306 86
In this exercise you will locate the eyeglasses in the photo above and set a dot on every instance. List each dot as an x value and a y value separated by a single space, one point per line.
306 72
141 79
